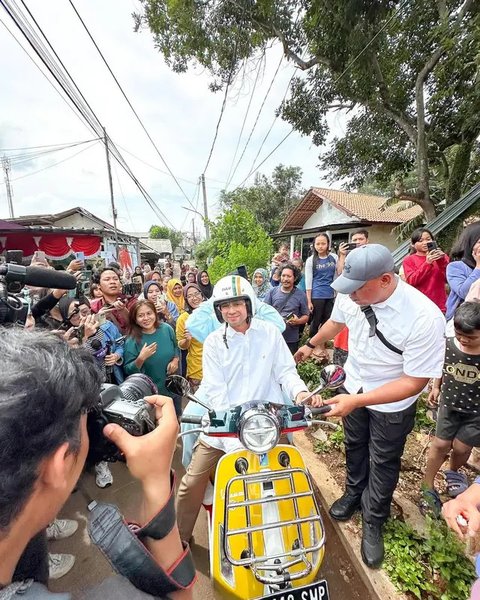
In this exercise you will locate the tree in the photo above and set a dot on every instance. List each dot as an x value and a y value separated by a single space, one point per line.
160 232
408 73
269 199
237 239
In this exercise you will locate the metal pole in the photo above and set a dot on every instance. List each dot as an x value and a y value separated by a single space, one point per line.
193 231
205 207
6 168
114 210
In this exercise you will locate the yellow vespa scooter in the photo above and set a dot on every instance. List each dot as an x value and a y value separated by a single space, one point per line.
266 534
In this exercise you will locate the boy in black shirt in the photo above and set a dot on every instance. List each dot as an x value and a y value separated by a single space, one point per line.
458 395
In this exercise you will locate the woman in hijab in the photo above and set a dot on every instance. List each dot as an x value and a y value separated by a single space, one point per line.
186 342
260 283
204 283
166 310
175 294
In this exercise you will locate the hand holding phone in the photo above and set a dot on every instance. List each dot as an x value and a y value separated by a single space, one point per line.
80 256
432 246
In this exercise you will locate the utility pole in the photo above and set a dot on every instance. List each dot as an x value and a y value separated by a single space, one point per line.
193 231
6 169
205 207
114 210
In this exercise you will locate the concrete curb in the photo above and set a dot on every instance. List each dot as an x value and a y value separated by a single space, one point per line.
377 581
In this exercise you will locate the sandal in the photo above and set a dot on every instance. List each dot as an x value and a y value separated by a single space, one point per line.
430 503
457 482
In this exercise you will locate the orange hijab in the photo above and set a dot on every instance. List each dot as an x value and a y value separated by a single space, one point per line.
179 301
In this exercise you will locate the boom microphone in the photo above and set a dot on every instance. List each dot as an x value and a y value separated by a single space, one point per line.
38 277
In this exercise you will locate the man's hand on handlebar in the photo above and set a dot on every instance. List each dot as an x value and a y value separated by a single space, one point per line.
341 405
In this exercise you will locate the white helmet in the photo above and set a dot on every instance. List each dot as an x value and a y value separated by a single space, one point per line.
233 287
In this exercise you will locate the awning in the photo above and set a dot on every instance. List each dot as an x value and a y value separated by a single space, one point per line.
56 246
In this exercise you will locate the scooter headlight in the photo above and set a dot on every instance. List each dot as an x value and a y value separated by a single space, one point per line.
259 430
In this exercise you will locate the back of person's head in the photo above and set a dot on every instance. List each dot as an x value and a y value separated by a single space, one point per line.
463 247
44 389
467 317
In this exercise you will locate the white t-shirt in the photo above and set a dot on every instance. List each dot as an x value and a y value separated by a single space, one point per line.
409 321
256 365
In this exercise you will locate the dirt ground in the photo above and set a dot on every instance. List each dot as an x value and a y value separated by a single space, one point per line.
414 461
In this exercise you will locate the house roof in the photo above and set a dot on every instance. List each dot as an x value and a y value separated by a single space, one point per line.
363 207
50 220
159 246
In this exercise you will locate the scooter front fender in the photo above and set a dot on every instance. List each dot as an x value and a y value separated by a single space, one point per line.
266 528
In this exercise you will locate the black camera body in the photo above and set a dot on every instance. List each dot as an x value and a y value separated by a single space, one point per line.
124 405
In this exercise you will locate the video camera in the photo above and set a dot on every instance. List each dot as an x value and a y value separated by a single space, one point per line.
125 405
14 305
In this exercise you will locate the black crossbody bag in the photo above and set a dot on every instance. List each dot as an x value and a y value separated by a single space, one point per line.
373 321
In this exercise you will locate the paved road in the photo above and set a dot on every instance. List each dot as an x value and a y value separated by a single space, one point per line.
91 567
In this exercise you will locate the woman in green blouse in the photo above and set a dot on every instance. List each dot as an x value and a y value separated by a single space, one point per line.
151 347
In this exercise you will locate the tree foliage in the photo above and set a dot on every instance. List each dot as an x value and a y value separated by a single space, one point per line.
269 198
407 72
160 232
236 239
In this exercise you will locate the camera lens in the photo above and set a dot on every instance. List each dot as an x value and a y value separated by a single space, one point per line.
137 386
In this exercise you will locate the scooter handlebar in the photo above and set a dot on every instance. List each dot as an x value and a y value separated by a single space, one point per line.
321 410
192 419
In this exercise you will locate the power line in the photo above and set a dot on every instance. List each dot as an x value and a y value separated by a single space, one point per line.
227 87
60 146
256 121
350 64
128 101
71 89
55 164
243 124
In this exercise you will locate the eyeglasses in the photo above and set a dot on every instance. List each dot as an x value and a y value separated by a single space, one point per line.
195 295
233 304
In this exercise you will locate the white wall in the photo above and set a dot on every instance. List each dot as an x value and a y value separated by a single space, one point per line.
77 221
327 214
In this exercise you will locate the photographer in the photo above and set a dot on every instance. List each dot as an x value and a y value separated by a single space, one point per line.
42 461
113 302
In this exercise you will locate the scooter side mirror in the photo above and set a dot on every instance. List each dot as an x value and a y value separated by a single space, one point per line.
332 377
178 385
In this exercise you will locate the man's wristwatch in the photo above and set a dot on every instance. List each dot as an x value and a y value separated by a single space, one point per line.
309 345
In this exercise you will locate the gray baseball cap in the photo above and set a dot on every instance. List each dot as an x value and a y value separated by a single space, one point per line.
361 265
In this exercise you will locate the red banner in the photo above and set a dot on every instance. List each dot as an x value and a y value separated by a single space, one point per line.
56 246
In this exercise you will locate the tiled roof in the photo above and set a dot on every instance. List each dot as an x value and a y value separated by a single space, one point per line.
364 207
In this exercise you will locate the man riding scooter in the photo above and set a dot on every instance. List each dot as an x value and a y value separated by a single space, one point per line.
243 361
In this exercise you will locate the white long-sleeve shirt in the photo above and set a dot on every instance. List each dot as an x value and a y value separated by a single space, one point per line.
257 365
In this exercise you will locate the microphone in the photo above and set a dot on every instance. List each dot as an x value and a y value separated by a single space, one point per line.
38 276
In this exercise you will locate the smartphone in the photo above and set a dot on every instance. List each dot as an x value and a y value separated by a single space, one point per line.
289 316
80 256
432 246
101 318
351 246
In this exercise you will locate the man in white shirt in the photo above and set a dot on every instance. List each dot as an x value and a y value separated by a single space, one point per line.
396 345
244 361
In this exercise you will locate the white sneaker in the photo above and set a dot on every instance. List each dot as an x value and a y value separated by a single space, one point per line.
61 529
59 565
103 475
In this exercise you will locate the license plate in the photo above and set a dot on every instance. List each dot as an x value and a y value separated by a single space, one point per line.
315 591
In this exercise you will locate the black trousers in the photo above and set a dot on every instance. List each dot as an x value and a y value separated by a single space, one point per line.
374 443
292 346
33 563
322 309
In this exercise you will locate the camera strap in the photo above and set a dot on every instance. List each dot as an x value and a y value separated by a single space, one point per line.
121 544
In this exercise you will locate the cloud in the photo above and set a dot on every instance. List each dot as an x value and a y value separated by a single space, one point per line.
178 110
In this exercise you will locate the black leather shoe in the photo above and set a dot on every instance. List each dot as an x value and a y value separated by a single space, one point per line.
372 545
343 508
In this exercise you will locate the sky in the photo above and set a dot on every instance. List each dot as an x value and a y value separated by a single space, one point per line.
178 110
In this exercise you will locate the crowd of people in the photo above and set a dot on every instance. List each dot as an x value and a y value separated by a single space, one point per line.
388 330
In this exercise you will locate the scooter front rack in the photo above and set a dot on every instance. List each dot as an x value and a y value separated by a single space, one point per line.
286 558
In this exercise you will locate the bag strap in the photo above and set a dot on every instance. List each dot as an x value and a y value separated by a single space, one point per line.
373 321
